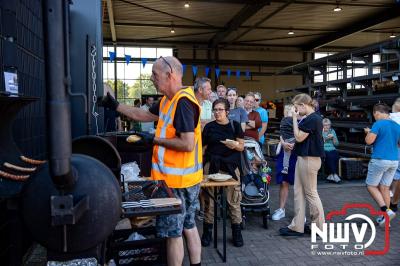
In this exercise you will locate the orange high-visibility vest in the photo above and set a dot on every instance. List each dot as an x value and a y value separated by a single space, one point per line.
179 169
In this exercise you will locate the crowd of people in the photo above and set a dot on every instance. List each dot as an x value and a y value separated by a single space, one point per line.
200 131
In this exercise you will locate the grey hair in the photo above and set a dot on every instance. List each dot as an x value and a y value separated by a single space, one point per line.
199 83
257 94
326 121
174 62
252 94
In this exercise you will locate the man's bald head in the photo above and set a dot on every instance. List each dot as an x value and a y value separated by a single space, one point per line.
171 64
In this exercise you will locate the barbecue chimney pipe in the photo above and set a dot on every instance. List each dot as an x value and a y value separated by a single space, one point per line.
57 83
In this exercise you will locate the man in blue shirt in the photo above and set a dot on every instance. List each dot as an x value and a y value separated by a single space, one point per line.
385 138
264 118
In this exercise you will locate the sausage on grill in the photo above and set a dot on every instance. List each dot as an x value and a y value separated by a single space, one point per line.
31 161
13 177
19 168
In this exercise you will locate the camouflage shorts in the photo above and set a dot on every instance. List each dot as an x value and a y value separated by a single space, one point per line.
173 225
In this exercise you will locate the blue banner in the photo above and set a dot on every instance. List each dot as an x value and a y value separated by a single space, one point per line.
194 69
217 72
207 71
248 74
112 56
144 62
127 59
228 72
237 74
183 68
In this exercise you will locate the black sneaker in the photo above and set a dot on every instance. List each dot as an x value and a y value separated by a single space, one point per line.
237 235
286 231
206 238
307 229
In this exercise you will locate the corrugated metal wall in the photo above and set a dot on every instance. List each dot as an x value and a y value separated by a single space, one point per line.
21 48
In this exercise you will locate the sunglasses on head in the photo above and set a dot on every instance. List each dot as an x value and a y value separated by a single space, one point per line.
165 61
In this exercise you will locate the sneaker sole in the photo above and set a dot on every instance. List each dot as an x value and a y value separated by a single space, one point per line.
382 224
277 219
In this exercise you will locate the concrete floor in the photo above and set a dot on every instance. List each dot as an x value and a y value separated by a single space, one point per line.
267 247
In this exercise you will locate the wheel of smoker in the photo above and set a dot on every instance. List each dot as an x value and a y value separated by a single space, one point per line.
95 181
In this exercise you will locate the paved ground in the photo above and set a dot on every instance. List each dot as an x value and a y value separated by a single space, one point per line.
266 247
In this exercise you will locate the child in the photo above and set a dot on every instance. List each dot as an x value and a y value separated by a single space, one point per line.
255 162
331 154
287 135
385 137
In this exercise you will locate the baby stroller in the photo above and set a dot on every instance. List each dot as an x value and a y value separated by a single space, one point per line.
255 199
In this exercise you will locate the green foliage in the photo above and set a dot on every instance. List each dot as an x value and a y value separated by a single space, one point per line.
142 86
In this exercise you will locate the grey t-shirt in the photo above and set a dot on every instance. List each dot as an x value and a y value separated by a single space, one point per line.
238 114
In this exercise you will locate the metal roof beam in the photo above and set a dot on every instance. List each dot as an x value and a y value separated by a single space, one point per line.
304 2
111 18
354 27
200 27
165 13
242 16
263 20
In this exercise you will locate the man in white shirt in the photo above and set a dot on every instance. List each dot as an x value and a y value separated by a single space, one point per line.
202 90
148 126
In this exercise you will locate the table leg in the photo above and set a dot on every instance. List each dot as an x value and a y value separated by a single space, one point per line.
215 217
224 223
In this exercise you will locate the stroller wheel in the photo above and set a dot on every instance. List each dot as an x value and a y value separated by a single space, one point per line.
243 224
265 220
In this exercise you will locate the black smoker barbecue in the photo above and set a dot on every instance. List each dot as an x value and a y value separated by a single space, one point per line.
72 204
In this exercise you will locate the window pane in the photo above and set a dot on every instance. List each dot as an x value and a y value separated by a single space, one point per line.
105 73
134 88
105 51
146 71
148 53
376 58
133 51
164 52
132 71
120 52
110 70
148 87
121 70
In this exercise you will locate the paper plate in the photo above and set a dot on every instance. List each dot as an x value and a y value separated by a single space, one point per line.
219 177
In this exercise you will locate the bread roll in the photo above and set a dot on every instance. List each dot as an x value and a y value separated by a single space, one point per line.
133 138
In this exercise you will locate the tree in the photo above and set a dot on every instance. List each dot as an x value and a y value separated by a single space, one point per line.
120 87
142 86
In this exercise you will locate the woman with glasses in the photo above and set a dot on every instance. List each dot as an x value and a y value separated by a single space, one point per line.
237 114
223 142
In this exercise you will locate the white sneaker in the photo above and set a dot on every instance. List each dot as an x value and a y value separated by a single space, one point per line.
278 214
337 178
381 219
391 193
330 178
